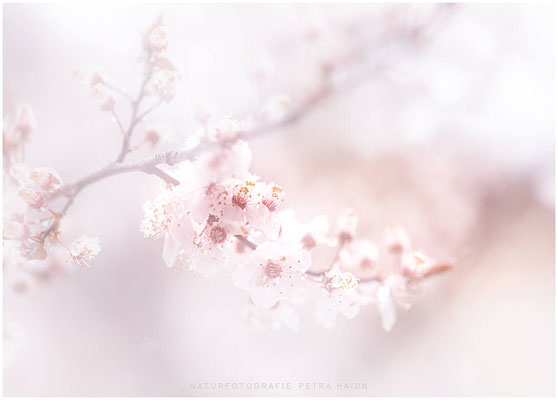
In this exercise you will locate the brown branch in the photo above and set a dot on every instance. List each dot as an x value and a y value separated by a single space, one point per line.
125 149
150 165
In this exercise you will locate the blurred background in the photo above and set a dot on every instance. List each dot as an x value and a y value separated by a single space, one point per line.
449 133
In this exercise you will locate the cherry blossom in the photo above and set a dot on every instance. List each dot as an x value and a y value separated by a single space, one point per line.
395 291
347 225
275 107
14 230
33 198
397 239
313 233
274 272
90 75
164 83
159 38
45 178
84 248
359 254
213 213
339 294
103 96
16 132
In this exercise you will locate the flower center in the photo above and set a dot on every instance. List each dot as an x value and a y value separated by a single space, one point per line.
271 204
273 270
239 200
218 234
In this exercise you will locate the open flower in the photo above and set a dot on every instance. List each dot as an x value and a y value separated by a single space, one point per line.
165 81
275 108
274 272
159 38
45 178
338 295
309 235
397 239
33 198
213 248
347 225
15 230
395 291
84 248
103 96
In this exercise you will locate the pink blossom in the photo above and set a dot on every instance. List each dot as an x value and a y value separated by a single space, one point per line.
275 108
309 235
159 38
20 174
90 75
33 198
16 130
179 239
45 178
84 248
338 295
164 82
159 213
25 119
397 239
393 292
347 225
214 245
274 272
359 254
33 249
104 97
416 264
14 230
227 129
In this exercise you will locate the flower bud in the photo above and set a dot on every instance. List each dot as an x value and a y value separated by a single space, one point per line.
159 38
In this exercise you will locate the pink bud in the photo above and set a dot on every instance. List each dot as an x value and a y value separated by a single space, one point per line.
46 178
159 38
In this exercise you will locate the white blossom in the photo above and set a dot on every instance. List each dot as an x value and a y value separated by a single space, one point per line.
84 248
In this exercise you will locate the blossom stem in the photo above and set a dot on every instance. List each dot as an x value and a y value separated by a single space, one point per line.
125 149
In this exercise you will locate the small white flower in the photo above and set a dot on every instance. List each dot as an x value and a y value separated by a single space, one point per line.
84 248
311 234
45 178
159 38
397 239
274 272
33 198
14 230
104 97
338 295
359 254
395 291
347 225
164 82
275 107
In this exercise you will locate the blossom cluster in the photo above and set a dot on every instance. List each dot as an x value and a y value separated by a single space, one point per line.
214 214
221 216
32 246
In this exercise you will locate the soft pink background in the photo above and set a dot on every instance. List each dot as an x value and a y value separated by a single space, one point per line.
455 141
